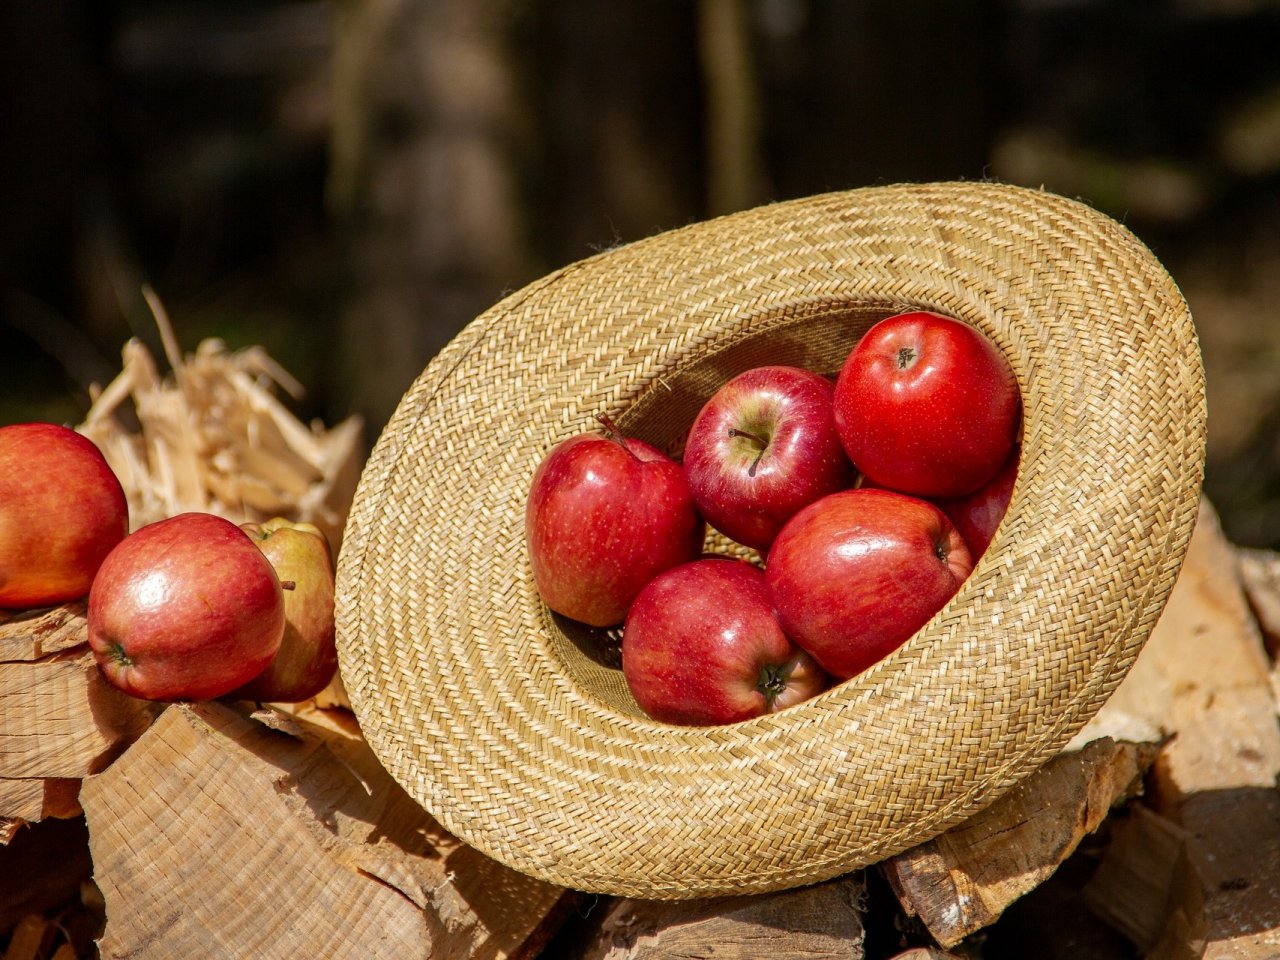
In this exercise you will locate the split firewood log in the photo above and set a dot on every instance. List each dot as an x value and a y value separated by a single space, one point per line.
62 720
1260 577
219 836
963 880
821 921
1204 677
1200 693
1145 888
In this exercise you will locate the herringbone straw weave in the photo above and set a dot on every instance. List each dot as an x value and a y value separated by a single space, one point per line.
512 727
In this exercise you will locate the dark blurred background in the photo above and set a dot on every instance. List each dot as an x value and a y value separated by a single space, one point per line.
349 183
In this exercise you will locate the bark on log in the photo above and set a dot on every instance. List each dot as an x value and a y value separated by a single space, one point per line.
219 837
964 879
822 921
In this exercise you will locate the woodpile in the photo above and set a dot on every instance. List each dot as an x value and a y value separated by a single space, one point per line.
229 830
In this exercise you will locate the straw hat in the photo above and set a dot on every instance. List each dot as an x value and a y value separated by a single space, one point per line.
514 728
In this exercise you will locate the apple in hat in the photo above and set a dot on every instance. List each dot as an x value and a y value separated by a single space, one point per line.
308 654
978 515
186 608
605 514
62 510
763 446
702 646
927 405
855 574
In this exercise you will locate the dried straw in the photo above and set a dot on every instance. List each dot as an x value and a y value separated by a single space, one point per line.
214 436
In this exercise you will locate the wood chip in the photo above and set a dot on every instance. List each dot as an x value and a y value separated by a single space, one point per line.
29 939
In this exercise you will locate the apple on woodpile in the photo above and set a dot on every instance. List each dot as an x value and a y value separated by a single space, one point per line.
62 510
868 502
308 654
186 608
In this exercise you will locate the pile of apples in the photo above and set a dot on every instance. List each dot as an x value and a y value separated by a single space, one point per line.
192 607
868 501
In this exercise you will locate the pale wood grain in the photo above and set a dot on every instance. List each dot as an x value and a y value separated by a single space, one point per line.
822 922
1203 676
217 836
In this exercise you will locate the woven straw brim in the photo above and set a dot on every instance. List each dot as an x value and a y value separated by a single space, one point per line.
514 728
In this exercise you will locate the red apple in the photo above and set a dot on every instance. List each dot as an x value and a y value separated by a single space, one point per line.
979 514
761 448
927 405
186 608
604 516
702 646
855 574
61 511
308 655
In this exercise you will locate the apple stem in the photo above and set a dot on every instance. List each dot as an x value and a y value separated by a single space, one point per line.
614 434
288 585
772 681
758 440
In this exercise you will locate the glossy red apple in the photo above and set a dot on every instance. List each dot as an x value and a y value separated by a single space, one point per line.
186 608
855 574
61 511
604 516
761 448
927 405
308 655
702 646
978 515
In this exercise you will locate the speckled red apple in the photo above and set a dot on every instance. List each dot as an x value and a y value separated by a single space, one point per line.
927 405
62 510
702 646
186 608
604 515
855 574
308 655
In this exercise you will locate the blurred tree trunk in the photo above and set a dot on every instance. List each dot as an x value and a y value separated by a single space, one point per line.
736 178
424 180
